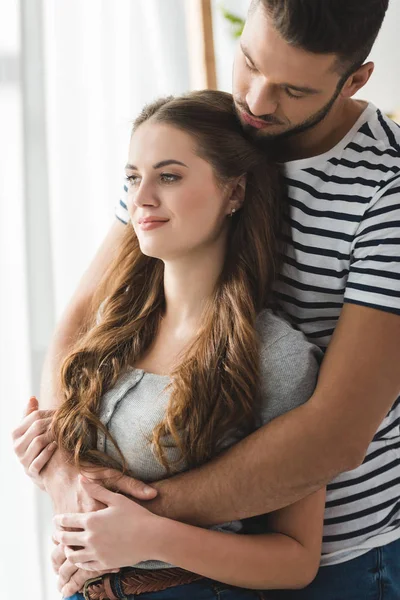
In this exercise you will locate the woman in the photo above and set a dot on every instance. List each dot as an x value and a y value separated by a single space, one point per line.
181 359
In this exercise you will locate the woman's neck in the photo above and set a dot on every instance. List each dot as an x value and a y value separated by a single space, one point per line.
189 283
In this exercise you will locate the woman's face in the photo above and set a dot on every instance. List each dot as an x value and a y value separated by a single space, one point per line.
175 203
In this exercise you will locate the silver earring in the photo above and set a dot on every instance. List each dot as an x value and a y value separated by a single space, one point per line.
233 211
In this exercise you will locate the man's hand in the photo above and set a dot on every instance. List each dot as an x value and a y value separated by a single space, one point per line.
32 442
71 579
114 481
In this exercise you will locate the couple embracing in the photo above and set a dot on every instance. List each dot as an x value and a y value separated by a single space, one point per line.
231 398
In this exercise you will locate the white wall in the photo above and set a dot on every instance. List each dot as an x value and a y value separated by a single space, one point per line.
383 89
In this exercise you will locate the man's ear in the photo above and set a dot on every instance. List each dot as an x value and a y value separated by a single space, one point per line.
238 192
357 80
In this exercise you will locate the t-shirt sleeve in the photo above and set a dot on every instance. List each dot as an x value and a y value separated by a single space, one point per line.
121 208
289 370
374 275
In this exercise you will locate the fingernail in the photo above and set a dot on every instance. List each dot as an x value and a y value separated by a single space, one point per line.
148 490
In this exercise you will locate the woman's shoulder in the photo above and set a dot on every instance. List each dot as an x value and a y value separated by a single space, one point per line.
275 330
289 364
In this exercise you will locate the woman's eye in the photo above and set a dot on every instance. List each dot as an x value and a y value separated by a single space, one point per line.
169 178
132 179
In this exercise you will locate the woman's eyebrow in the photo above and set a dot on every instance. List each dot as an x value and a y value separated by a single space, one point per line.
159 165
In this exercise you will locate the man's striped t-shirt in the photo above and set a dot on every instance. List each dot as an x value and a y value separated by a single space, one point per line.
345 247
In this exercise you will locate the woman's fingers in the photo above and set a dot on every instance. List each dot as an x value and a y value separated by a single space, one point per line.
32 405
36 427
67 574
70 538
58 557
29 420
33 447
77 556
39 452
41 461
91 566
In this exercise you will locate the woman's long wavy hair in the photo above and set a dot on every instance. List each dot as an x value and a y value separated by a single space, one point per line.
214 391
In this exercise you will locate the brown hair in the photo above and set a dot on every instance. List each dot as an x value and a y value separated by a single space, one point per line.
215 389
347 28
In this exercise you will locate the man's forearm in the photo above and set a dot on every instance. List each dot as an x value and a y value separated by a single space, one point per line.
284 461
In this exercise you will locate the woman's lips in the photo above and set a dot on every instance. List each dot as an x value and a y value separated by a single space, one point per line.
147 225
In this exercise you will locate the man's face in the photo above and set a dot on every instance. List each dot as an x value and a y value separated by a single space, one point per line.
280 90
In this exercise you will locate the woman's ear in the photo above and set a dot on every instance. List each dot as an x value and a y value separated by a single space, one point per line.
238 192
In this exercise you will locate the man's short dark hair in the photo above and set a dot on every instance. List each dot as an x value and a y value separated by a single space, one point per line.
347 28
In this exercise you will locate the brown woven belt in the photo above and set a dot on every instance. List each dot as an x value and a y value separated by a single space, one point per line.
116 586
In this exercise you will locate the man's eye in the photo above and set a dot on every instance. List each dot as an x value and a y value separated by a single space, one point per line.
169 177
249 65
293 95
132 179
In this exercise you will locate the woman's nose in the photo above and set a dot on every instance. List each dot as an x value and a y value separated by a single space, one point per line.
145 195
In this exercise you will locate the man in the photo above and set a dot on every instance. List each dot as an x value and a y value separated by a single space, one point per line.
297 67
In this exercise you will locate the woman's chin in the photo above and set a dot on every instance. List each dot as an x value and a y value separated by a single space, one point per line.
151 251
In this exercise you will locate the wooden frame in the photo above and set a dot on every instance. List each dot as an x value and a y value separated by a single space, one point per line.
200 44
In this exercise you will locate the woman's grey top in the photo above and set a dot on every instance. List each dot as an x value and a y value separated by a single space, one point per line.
137 403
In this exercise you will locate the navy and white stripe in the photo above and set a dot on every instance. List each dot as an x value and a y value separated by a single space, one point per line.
345 247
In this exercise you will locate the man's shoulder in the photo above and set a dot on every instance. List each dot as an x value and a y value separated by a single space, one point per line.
379 132
357 170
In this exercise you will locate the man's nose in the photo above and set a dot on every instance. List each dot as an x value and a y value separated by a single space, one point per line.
261 99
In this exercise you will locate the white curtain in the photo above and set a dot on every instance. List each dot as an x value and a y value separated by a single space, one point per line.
73 75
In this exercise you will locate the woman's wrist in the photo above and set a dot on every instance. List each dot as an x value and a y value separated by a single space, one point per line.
160 533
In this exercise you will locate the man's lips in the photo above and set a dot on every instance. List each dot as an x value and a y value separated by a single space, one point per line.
257 123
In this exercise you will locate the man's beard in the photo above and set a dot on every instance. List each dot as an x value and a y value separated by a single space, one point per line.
262 138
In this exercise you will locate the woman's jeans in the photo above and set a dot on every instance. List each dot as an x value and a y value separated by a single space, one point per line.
372 576
202 590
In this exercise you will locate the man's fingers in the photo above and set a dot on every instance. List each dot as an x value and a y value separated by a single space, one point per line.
102 473
113 480
135 488
71 584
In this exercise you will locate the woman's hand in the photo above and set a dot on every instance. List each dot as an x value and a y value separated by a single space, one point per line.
122 534
71 579
32 442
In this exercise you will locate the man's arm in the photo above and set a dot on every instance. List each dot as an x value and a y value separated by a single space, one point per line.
304 449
